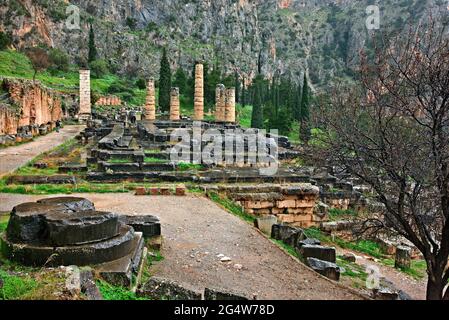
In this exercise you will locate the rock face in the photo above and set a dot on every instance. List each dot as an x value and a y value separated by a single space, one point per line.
30 107
289 36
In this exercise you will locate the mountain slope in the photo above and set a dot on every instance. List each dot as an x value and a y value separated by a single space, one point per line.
320 37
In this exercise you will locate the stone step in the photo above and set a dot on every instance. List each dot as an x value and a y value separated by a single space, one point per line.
120 272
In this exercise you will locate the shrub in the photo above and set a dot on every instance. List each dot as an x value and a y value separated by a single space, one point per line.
99 68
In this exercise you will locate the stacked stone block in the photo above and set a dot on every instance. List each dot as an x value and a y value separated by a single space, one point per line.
150 104
199 93
174 105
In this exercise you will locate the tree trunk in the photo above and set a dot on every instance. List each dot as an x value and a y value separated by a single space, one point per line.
435 287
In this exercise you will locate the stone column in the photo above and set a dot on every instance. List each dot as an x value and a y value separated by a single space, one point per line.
220 103
85 106
230 105
199 93
174 104
150 104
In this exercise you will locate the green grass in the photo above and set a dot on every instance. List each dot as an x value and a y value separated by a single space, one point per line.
115 293
338 214
185 166
287 248
417 268
244 115
365 246
231 207
3 223
16 64
15 287
116 160
154 160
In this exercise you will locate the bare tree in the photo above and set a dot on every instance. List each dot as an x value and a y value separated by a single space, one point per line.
39 59
392 131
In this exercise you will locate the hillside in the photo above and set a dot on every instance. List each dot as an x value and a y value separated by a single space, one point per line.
321 37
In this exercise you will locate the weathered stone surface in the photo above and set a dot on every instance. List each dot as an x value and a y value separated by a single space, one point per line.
403 257
318 252
164 289
65 228
120 272
350 257
88 285
27 221
150 226
265 224
219 294
308 241
85 101
325 268
81 255
288 235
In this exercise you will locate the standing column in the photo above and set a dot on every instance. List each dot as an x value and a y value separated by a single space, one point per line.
220 103
174 104
85 106
150 105
230 105
199 93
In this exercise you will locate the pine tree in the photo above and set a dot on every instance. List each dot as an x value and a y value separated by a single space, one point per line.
305 112
257 114
164 83
180 81
92 48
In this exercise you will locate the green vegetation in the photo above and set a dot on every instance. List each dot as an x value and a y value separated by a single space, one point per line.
305 112
338 214
15 287
154 160
365 246
164 83
186 166
18 65
231 206
3 223
114 293
417 270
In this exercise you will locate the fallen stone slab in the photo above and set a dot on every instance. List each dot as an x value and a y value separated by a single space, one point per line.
325 268
265 224
318 252
164 289
288 235
219 294
150 226
308 241
120 272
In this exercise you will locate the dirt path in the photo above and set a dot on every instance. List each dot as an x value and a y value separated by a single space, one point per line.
196 231
416 289
13 158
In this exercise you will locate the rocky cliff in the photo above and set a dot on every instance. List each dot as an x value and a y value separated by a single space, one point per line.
320 37
26 106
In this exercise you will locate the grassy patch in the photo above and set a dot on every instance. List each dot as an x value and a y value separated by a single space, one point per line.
288 248
117 160
185 166
417 268
338 214
114 293
3 223
365 246
15 287
154 160
231 206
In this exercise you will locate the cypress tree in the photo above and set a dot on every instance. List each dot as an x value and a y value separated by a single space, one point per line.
164 83
92 48
257 114
305 112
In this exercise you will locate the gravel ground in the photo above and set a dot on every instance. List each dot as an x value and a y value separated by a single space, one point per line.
12 158
196 231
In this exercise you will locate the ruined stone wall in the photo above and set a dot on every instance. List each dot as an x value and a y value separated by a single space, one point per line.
109 101
27 104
